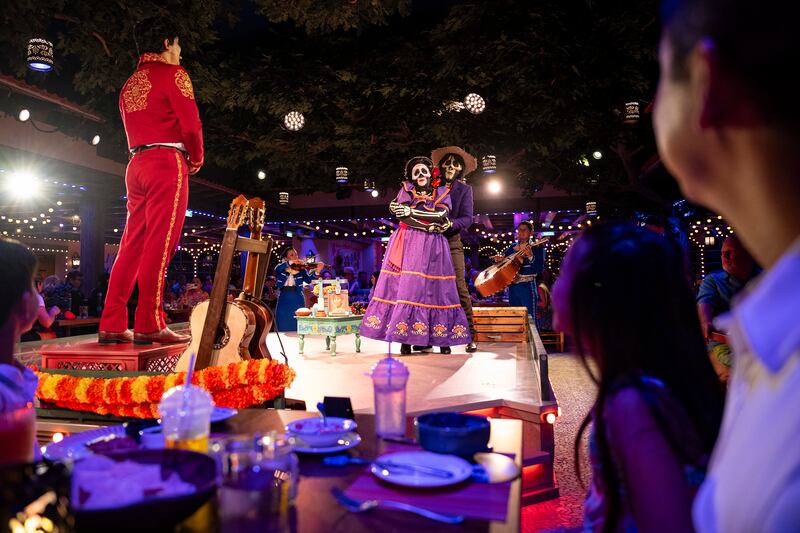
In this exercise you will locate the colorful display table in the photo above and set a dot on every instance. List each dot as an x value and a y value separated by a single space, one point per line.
331 327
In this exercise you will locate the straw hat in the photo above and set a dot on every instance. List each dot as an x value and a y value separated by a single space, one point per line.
470 163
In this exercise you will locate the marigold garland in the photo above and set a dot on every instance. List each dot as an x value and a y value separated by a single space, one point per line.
238 385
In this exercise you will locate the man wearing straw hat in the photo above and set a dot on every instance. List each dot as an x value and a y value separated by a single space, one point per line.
454 164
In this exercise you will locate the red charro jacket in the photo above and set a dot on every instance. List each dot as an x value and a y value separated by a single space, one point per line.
157 106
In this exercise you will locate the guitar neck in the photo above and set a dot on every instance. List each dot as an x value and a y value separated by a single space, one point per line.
251 269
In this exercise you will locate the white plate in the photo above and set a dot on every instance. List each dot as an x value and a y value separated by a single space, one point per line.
222 413
457 466
350 440
74 446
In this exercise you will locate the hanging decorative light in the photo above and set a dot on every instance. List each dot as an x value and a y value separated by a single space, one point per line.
631 115
294 120
95 140
597 154
369 185
709 240
76 260
341 174
24 115
591 208
283 198
262 175
375 193
475 103
40 55
489 163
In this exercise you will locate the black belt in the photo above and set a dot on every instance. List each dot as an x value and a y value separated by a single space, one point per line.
144 147
290 289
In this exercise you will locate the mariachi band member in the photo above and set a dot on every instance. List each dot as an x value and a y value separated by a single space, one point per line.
291 274
523 291
165 140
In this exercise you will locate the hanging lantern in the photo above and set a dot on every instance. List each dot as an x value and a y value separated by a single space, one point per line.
474 103
591 208
631 113
709 240
294 121
76 261
283 198
369 185
40 55
341 174
489 163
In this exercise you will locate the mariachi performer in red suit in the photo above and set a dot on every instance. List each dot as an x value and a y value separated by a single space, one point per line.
165 140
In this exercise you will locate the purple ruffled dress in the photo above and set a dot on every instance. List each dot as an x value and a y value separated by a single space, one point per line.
416 299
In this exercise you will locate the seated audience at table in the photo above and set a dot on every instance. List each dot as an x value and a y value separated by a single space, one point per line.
49 286
68 296
97 298
193 295
715 296
18 311
207 284
659 404
326 274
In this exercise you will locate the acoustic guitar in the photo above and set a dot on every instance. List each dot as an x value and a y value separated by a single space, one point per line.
498 277
234 330
258 345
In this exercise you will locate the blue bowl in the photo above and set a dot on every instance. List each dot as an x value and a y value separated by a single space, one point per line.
453 433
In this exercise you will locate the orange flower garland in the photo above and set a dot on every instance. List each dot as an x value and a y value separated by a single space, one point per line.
238 385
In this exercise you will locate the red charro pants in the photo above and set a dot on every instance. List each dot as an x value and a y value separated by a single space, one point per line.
158 192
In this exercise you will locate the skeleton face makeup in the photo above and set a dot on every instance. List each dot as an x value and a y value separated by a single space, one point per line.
452 167
421 175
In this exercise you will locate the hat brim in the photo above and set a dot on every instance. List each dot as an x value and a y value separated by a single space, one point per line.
470 163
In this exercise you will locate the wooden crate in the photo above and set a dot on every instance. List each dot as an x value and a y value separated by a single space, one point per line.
501 324
91 355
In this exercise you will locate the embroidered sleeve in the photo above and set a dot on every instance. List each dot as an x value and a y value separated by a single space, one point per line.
134 94
184 84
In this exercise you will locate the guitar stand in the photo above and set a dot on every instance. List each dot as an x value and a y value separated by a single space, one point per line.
231 242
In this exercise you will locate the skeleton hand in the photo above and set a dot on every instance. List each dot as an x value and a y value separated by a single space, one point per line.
434 228
400 210
446 225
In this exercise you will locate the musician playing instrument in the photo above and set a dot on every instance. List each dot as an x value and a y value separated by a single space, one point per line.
291 274
523 292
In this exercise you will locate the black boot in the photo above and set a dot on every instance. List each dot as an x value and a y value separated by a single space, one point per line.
405 349
423 349
472 347
444 349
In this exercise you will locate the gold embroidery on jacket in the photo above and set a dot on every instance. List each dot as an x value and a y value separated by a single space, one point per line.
134 95
184 83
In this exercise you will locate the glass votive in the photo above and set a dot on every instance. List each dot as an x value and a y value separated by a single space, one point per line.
258 480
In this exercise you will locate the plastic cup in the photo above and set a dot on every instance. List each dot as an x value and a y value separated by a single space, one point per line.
17 435
186 417
389 378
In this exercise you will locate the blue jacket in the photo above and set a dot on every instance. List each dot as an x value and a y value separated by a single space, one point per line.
530 266
461 213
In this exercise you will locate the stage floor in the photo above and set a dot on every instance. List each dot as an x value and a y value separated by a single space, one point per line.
496 375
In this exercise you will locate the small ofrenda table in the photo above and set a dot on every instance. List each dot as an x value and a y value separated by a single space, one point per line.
331 327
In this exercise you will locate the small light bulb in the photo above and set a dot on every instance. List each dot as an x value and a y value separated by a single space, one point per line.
24 115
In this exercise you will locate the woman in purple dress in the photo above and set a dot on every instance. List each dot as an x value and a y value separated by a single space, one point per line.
416 299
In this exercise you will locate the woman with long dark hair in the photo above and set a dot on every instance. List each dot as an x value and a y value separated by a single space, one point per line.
623 297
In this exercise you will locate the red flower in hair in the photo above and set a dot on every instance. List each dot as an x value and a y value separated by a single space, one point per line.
436 181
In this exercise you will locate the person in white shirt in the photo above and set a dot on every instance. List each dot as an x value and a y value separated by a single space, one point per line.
727 124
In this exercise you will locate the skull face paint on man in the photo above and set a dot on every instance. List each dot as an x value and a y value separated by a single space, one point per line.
452 167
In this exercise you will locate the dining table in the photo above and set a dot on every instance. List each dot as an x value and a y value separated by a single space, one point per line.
316 510
68 324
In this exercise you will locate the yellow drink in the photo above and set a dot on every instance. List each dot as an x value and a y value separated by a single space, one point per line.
196 444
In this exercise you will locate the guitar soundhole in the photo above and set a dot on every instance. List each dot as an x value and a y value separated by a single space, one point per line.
222 338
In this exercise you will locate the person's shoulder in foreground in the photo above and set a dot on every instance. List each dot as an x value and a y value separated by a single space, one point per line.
728 128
